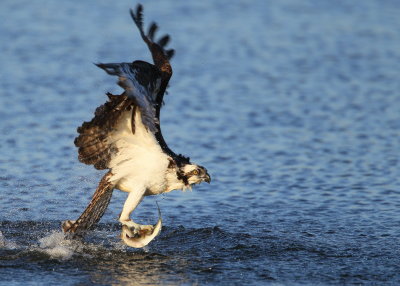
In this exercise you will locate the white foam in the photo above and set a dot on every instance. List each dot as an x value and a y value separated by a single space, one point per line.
6 244
56 246
2 240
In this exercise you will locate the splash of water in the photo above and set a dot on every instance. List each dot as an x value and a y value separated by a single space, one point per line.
5 243
2 240
56 246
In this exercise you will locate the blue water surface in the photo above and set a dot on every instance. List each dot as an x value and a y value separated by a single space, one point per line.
292 106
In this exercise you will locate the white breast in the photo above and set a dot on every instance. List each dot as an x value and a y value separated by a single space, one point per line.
139 159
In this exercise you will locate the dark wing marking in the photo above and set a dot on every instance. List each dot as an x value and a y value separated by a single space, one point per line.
92 140
160 55
94 211
144 86
161 58
141 82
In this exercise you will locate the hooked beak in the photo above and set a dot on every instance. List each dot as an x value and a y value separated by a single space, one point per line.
207 178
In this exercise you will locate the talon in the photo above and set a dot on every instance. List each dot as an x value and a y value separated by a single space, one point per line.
130 224
128 231
141 235
67 225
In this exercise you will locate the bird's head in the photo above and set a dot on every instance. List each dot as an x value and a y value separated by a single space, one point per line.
195 174
183 174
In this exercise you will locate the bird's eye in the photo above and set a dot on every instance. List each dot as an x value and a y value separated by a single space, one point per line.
195 172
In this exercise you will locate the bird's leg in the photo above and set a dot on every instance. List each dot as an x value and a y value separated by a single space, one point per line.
133 200
134 234
142 237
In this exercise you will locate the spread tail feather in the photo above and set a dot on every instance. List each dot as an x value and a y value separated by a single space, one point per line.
93 212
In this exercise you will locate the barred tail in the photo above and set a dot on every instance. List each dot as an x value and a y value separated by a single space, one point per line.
93 212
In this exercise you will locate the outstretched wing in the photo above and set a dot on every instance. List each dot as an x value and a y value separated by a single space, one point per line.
94 140
160 55
144 86
143 82
161 58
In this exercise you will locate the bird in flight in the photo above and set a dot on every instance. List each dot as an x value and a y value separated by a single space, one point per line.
124 137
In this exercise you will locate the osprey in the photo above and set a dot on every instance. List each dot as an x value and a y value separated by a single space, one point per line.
125 137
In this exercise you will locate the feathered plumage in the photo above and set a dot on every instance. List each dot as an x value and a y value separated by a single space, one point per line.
125 137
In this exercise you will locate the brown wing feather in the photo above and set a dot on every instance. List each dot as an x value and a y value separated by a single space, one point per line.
92 140
94 211
160 55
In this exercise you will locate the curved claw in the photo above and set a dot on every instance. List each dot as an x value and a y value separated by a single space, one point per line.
68 225
141 237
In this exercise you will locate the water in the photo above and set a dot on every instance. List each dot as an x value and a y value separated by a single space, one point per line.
293 107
